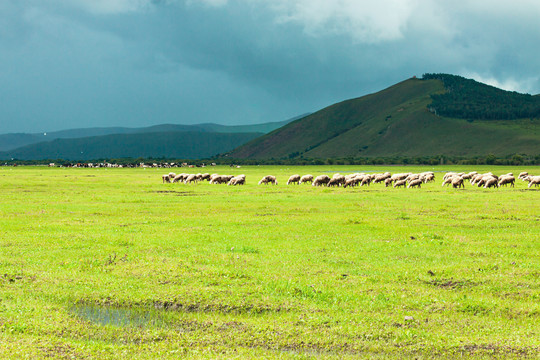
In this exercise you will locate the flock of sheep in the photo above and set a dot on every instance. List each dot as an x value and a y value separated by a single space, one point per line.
409 180
488 180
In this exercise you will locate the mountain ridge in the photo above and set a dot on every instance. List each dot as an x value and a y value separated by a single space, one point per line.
11 141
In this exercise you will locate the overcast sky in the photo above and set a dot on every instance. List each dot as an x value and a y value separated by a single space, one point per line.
85 63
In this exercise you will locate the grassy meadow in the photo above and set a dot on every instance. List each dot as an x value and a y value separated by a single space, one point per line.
112 263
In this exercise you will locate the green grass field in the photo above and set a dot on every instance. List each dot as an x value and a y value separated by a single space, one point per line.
113 264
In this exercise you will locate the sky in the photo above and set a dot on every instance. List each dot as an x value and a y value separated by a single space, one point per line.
93 63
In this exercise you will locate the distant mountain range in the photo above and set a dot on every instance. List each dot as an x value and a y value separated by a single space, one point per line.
439 114
166 140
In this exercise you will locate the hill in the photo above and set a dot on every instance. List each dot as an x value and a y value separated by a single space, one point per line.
404 120
179 145
13 141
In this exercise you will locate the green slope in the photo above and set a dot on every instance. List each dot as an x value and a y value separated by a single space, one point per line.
393 122
182 145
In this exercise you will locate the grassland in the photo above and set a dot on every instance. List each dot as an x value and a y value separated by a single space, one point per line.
111 263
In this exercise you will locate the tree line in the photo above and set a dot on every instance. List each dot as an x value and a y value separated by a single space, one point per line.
469 99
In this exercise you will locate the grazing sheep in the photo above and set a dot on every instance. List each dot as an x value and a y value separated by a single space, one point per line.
400 183
205 177
294 179
166 178
306 179
388 182
457 182
449 174
172 175
487 177
366 180
237 180
491 182
321 180
221 179
179 178
337 180
428 177
507 179
191 178
334 182
448 180
268 179
401 176
533 180
415 183
351 182
381 177
522 175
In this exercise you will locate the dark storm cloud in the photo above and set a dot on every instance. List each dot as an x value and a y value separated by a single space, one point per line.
80 63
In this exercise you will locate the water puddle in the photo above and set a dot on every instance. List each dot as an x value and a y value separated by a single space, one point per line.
121 317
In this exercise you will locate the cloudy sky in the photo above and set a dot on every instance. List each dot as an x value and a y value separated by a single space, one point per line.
84 63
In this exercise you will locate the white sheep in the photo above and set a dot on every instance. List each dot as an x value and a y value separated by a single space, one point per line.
306 179
399 183
294 179
321 180
457 182
507 179
268 179
533 180
415 183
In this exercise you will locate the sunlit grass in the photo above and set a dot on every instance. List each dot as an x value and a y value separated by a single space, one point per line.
272 271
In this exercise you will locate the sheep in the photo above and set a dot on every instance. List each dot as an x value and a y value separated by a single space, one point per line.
491 182
415 183
215 178
399 183
507 179
172 175
237 180
179 178
388 182
306 179
205 176
268 179
337 180
321 180
522 175
166 178
191 178
221 179
533 180
381 177
366 180
351 182
401 176
449 179
428 177
487 177
294 179
457 182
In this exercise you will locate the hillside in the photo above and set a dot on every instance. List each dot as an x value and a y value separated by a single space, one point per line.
180 145
397 121
13 141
